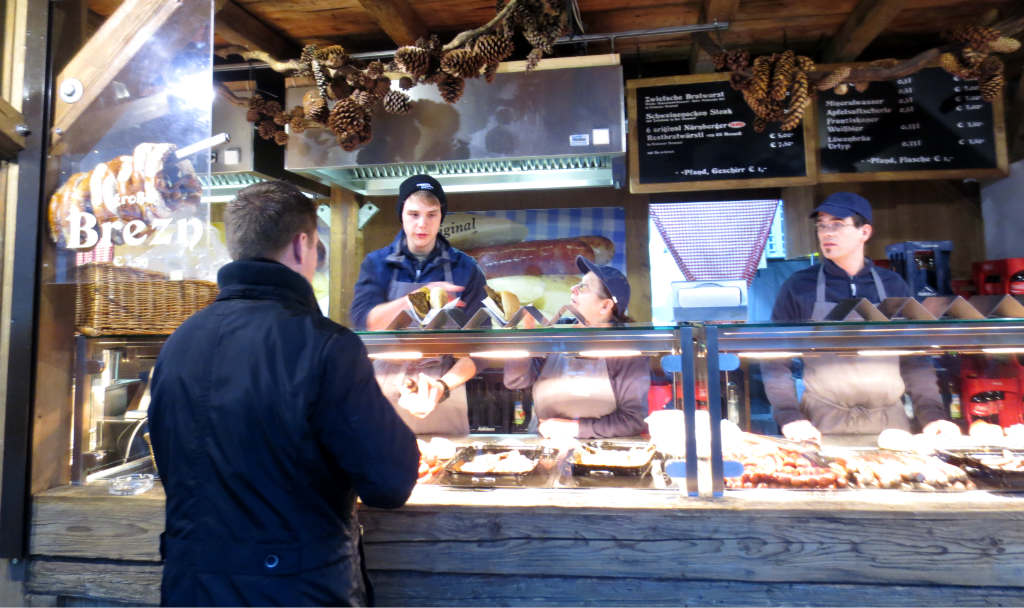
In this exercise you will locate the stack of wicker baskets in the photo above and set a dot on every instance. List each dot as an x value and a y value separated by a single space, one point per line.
118 300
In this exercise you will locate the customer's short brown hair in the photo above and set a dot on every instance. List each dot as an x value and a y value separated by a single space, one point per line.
263 218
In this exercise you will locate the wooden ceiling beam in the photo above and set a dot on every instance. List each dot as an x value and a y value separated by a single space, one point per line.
865 23
713 10
397 18
238 27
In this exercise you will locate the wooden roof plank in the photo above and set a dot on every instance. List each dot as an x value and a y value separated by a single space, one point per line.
714 10
398 20
235 25
869 19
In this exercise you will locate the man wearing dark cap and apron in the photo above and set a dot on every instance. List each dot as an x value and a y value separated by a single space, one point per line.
848 395
585 396
419 256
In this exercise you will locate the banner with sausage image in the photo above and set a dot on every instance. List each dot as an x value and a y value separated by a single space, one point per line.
532 252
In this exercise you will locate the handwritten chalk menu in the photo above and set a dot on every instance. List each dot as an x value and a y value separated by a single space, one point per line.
927 125
697 133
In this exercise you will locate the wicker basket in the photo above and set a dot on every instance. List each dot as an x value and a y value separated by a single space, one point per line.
118 300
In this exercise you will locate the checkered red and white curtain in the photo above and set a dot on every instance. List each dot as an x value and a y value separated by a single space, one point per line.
720 240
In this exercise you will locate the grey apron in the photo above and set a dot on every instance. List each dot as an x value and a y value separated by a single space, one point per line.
451 416
852 395
574 388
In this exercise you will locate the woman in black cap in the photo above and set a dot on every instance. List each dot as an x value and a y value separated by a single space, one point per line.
581 396
420 256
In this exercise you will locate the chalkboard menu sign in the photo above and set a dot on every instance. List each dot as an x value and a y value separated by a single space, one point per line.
697 133
928 125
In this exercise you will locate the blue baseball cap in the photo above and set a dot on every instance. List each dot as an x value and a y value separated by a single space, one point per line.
614 281
844 204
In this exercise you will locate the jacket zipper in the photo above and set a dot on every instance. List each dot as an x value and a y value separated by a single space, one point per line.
853 288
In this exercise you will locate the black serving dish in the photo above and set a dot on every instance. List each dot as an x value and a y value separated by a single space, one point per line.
536 475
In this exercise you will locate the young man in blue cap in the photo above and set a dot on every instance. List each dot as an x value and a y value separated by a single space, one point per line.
850 395
420 257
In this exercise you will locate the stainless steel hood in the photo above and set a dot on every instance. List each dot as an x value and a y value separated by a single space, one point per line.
246 158
553 128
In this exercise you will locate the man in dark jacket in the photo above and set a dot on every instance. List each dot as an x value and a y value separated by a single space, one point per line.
418 257
849 395
266 423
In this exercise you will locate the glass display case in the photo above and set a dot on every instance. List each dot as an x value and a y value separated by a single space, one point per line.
967 373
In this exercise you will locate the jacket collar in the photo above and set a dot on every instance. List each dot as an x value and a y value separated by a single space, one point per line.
399 252
264 279
833 269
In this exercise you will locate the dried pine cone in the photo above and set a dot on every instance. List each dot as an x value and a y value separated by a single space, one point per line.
314 107
493 48
347 115
405 83
463 63
1004 44
538 39
737 59
992 87
280 138
861 87
256 102
297 124
974 35
951 64
451 88
782 75
533 58
805 63
252 115
266 129
760 124
333 56
396 102
718 61
381 87
375 70
841 89
306 58
972 57
298 112
339 88
281 118
271 107
834 79
362 98
413 60
991 65
758 83
490 71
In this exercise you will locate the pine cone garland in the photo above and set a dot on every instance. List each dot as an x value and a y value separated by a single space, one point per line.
451 88
396 102
463 63
413 60
280 138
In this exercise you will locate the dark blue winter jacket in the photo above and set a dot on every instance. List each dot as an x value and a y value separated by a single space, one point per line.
266 423
375 275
